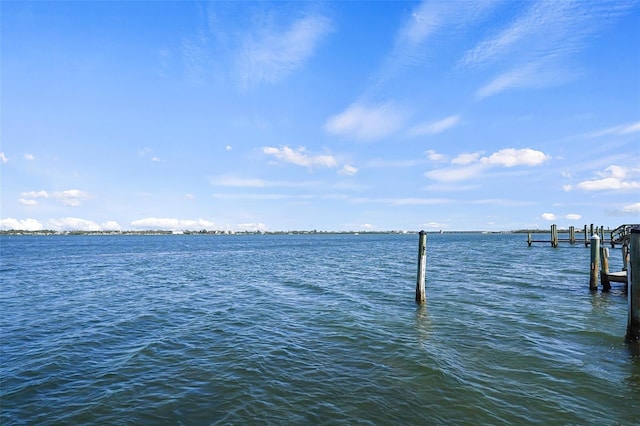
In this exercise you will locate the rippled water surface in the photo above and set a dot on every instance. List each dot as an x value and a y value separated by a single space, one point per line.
309 329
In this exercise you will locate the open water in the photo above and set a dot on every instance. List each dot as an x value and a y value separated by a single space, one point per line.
309 329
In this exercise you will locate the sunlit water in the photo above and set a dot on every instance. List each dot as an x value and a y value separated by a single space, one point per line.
309 329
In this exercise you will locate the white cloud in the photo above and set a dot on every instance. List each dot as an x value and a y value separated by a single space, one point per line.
252 227
228 147
469 165
466 158
35 194
366 123
172 224
110 225
267 55
573 216
3 158
299 157
70 197
20 225
434 156
73 224
348 170
516 157
632 208
435 127
29 157
548 216
29 202
605 184
454 174
613 178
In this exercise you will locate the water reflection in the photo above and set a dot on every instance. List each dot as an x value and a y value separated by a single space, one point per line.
423 323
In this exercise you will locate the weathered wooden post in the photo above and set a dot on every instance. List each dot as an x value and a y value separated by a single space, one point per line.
625 255
595 262
586 238
604 268
613 243
572 234
554 235
529 239
633 282
591 229
422 268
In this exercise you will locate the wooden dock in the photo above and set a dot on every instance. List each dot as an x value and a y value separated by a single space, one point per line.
616 236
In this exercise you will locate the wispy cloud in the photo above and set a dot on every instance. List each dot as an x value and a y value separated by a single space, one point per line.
70 197
348 170
466 158
252 196
3 158
244 182
537 44
434 127
424 22
367 123
455 174
632 208
621 130
268 55
300 157
612 178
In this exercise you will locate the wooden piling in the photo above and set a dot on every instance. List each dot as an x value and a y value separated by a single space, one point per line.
529 238
422 268
554 235
633 293
586 237
572 234
604 268
625 255
595 262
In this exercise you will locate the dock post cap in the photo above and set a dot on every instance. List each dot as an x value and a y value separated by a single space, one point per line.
422 232
595 237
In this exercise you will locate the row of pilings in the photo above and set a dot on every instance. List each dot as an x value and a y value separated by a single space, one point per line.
631 262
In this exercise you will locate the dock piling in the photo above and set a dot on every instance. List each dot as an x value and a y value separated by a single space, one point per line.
633 282
595 262
554 235
604 268
586 237
422 268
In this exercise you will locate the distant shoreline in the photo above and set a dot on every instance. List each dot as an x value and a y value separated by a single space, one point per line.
313 232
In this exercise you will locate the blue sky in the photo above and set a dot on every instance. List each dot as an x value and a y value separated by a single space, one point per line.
348 115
